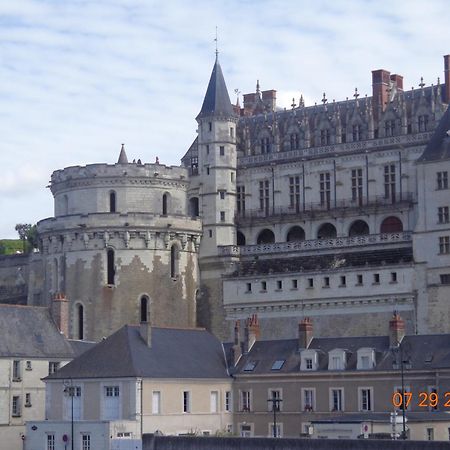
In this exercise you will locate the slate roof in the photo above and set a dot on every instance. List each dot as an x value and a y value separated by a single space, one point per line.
217 101
30 332
123 159
174 353
419 348
324 262
438 148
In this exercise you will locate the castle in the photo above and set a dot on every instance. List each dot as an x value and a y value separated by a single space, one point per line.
337 211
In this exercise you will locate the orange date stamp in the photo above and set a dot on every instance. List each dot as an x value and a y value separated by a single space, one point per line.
424 400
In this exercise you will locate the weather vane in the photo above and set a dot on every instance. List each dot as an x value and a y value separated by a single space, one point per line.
215 40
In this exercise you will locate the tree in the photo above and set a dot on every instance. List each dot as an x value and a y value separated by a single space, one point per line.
23 229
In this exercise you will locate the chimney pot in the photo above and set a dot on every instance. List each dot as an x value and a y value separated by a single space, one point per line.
396 330
59 311
252 332
305 333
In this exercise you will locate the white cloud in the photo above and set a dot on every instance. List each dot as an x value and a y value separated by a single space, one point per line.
78 78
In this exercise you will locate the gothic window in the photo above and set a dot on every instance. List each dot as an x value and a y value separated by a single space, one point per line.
112 201
144 308
110 266
79 317
194 207
265 145
194 165
295 141
391 224
423 123
389 128
357 186
389 182
356 133
294 192
325 189
264 199
174 261
240 200
325 137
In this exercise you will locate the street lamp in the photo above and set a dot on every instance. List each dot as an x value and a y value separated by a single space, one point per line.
403 363
69 390
275 407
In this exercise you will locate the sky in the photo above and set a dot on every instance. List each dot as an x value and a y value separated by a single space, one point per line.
80 77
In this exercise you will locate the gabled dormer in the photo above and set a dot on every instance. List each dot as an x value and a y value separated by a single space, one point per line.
365 359
309 360
337 359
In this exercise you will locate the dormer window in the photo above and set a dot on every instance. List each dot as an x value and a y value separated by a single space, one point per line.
365 359
336 359
309 360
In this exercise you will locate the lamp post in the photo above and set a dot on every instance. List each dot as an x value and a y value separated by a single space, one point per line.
404 364
69 390
275 407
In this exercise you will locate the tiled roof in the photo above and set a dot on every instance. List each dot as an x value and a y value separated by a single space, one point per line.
30 332
438 148
217 101
174 353
423 352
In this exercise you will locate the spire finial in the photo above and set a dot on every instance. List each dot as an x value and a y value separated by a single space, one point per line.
421 84
257 87
217 49
122 156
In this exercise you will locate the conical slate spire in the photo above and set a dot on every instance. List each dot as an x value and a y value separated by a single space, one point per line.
123 156
217 101
438 148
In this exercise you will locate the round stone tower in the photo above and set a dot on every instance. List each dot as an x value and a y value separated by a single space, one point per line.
121 246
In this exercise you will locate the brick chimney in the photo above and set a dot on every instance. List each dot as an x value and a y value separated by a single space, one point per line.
305 333
60 313
252 332
380 89
397 80
447 78
236 350
249 103
396 330
269 98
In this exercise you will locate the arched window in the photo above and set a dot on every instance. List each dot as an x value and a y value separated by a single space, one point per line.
326 231
174 255
295 234
194 207
391 225
110 266
79 313
144 308
266 236
112 201
240 238
358 228
165 204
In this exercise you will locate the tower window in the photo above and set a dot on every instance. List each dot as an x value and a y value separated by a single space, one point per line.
164 204
80 321
207 149
210 126
174 255
110 268
222 216
222 150
144 308
112 202
231 132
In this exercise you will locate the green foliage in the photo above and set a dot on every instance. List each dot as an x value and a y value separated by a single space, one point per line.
10 246
28 235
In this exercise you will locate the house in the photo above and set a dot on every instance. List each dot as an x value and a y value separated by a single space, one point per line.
342 387
141 379
31 348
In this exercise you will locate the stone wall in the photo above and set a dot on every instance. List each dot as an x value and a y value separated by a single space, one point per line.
151 442
13 279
